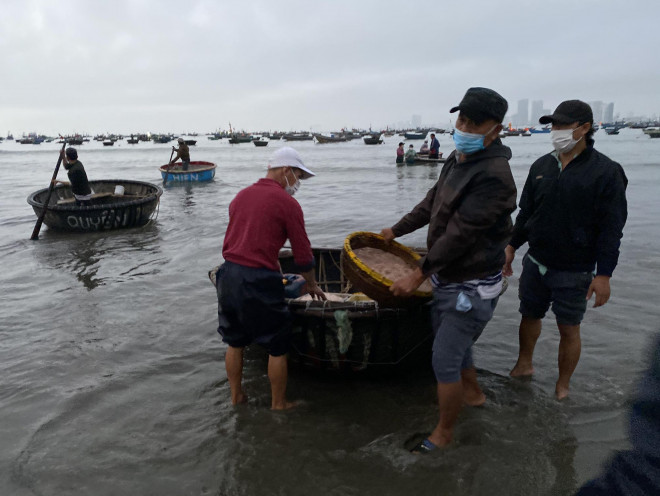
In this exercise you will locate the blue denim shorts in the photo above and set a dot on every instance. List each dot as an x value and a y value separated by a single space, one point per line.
251 308
566 291
456 331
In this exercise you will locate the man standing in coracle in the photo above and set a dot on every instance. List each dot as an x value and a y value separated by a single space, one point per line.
572 212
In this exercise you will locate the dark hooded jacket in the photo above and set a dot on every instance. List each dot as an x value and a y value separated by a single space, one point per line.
468 212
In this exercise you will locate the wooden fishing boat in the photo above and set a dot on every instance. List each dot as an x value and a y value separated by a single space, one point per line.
132 141
350 332
372 140
652 132
424 160
297 137
190 142
134 207
260 142
355 333
415 136
197 172
234 140
329 139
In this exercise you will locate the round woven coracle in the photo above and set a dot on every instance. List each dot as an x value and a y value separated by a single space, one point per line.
373 283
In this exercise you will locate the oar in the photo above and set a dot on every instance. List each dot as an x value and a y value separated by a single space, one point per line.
169 166
40 220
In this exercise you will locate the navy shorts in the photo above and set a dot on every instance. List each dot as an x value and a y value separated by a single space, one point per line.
566 291
456 331
251 308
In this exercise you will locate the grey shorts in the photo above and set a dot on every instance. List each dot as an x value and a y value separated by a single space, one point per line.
456 331
566 291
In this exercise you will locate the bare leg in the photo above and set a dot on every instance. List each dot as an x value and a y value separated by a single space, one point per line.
472 393
450 399
277 373
528 334
570 346
234 367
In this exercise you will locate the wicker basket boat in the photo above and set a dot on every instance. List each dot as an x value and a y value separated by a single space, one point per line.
369 281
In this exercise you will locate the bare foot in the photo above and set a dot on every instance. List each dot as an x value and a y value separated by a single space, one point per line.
287 405
522 370
474 399
240 399
561 392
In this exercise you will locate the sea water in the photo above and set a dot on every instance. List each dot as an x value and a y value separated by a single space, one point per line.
113 379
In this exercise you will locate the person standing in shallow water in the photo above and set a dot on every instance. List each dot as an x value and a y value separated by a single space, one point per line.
80 188
411 155
400 152
572 212
251 304
468 213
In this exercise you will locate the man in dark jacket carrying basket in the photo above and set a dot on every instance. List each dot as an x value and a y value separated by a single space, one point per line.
468 213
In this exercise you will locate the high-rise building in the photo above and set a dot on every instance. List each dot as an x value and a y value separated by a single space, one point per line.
537 112
522 117
416 121
597 109
608 113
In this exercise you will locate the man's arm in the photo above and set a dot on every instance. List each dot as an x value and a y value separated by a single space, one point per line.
418 216
520 233
611 214
302 251
178 155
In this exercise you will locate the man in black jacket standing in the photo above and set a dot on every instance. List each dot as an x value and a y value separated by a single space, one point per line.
572 212
468 213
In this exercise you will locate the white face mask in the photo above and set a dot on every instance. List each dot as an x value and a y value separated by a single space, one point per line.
562 140
291 189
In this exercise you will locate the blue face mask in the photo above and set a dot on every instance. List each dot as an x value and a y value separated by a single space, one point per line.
467 143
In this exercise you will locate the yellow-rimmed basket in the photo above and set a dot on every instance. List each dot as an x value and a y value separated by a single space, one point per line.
372 283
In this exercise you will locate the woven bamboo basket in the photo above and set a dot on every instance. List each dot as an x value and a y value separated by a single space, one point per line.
372 283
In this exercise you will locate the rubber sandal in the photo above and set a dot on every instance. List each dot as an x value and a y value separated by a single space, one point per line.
424 447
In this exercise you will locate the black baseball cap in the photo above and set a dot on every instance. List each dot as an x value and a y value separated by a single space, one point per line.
568 112
480 104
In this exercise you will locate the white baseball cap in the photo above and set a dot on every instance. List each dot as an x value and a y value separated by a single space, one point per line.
288 157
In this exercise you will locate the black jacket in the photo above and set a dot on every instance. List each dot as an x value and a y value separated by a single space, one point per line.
573 220
468 212
78 178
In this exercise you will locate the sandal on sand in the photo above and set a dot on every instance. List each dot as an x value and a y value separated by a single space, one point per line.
424 447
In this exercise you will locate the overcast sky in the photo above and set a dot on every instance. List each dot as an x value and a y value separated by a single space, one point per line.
159 65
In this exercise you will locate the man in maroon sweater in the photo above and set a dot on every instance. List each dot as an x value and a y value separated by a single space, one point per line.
251 305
